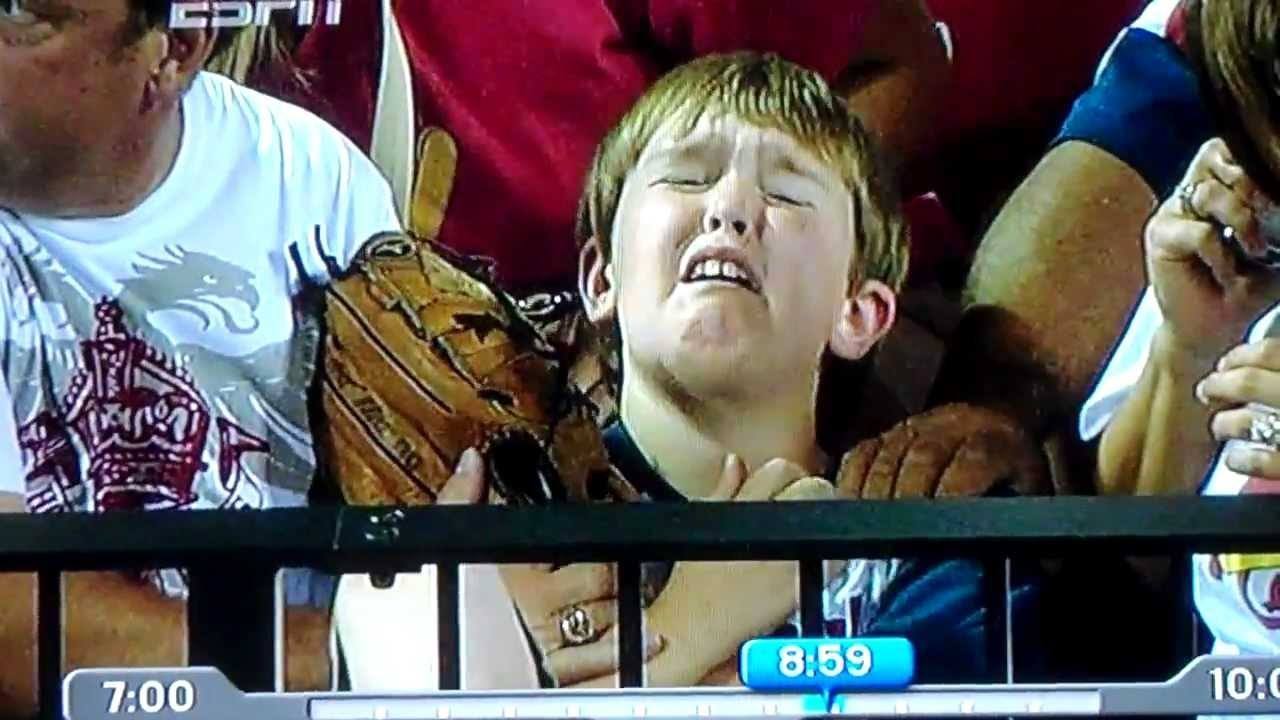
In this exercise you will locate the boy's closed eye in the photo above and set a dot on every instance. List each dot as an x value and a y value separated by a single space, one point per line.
787 200
683 182
780 194
791 190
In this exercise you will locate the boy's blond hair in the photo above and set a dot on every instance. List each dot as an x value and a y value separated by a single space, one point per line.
769 92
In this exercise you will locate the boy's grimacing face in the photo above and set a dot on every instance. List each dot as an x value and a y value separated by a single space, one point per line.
731 254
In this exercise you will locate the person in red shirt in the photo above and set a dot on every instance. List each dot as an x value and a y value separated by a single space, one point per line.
527 89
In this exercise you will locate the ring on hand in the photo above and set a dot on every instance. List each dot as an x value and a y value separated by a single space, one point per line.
1187 194
1265 429
576 627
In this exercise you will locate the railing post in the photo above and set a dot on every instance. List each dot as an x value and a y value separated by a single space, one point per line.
448 632
630 626
995 589
49 641
231 613
812 588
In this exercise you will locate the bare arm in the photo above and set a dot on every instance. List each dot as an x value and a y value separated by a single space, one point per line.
1050 289
1158 441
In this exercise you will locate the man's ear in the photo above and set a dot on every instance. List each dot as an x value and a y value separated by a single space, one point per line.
596 282
179 56
864 320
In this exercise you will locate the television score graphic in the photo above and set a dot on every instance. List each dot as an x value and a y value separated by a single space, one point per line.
826 665
1207 686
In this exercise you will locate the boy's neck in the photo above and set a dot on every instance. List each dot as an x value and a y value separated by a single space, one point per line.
686 443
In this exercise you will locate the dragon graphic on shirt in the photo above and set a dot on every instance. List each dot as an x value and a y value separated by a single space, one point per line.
192 282
132 412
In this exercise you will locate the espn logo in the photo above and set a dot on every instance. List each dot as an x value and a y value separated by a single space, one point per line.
195 14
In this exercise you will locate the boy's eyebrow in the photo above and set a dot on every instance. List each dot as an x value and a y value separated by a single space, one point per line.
683 150
787 164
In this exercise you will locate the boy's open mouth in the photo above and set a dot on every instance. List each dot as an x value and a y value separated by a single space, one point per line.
721 264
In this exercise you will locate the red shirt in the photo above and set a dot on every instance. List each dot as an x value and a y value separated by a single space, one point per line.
1022 62
529 87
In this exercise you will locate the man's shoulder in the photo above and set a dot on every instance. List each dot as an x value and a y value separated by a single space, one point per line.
301 141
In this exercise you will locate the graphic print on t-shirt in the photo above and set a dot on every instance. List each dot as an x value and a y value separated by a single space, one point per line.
118 415
134 416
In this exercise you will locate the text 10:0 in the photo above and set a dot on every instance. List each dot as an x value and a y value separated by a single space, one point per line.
1239 683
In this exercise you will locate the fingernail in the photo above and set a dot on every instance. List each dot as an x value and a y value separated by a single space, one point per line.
732 463
1200 391
653 643
1239 460
470 461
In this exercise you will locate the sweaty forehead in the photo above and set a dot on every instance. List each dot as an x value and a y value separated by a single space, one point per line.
715 138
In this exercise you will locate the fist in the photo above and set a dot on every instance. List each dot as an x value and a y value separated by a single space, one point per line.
953 450
1203 248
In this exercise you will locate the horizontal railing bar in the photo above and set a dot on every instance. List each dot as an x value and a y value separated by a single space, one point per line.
350 539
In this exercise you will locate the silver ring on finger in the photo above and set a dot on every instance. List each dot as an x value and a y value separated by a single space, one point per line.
1186 196
576 627
1264 429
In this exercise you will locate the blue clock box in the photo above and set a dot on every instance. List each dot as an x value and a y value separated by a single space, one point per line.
827 665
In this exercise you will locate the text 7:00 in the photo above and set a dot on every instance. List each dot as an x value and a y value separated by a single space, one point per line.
152 696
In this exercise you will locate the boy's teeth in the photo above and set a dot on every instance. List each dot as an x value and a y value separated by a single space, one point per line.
724 269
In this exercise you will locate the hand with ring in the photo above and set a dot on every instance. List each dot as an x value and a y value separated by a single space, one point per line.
1244 389
1207 292
571 612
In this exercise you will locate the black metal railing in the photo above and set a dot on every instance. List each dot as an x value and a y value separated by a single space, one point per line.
232 557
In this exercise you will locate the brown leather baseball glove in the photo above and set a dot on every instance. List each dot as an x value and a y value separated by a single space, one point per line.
425 357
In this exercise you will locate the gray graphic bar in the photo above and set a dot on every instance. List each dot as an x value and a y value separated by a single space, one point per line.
1208 686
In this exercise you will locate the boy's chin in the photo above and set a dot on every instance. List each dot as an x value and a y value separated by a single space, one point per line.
713 366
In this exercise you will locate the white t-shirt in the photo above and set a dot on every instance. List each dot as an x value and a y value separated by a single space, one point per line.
159 359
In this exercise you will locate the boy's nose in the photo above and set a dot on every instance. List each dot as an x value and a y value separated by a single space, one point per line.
715 221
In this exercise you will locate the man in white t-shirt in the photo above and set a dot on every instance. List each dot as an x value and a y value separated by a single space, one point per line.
157 227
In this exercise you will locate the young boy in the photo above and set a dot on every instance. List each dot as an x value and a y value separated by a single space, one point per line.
737 230
737 236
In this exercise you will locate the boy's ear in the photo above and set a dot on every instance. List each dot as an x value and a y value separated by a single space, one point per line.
864 320
596 283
